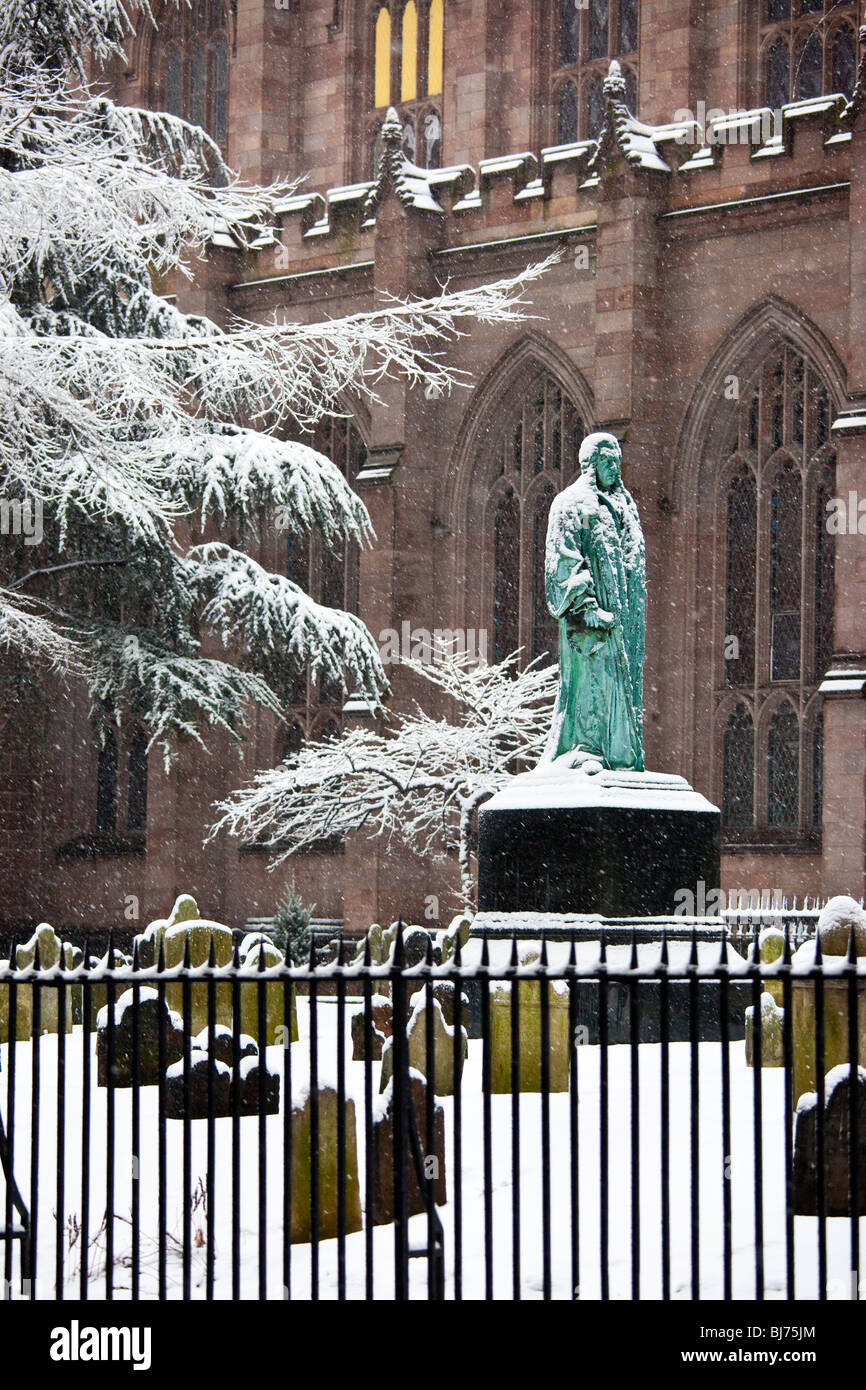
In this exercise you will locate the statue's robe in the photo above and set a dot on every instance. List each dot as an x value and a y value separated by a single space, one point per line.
595 558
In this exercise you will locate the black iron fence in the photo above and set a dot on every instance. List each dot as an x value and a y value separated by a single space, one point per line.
583 1119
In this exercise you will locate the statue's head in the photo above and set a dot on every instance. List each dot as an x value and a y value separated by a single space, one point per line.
601 457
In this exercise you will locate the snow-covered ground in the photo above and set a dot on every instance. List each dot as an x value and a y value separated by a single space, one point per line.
716 1168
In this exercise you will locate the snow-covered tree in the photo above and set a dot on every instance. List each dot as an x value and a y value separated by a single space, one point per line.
133 434
421 779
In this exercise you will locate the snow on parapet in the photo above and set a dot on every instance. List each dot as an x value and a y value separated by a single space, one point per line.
461 190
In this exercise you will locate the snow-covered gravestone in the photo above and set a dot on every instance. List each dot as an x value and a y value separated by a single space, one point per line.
383 1156
269 993
137 1025
325 1156
51 951
185 910
529 1024
840 918
772 1018
380 1024
438 1065
837 1145
198 934
771 944
589 829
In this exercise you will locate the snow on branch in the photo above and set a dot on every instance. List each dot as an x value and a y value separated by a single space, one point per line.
422 778
268 613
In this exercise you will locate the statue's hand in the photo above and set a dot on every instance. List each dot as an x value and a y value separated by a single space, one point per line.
598 618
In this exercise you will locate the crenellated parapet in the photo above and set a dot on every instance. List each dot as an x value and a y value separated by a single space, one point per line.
560 185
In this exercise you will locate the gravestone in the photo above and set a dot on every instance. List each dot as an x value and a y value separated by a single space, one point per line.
230 1090
838 919
380 1018
223 1044
150 1014
383 1155
837 1145
529 1000
73 959
98 991
445 1076
273 991
51 951
330 1175
199 934
772 1018
445 993
771 944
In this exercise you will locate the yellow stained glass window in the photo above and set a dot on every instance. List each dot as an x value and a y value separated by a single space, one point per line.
409 67
435 49
382 59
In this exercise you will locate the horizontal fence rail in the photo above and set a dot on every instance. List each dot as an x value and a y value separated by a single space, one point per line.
586 1119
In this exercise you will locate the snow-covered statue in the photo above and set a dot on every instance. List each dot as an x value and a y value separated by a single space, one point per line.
595 573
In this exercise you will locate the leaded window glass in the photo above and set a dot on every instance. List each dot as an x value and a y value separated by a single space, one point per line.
783 768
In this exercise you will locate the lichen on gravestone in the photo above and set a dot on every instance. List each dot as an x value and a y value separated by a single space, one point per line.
529 1004
274 994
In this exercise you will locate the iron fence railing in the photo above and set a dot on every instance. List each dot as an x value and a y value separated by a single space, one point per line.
578 1119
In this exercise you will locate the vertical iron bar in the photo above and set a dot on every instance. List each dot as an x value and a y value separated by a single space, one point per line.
486 1114
515 1124
545 988
60 1191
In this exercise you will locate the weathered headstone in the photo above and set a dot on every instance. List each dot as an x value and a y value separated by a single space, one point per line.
529 1025
273 993
329 1175
73 958
383 1155
205 1073
445 993
50 954
837 1145
839 918
772 1018
149 1015
98 991
771 944
223 1044
457 931
380 1018
440 1064
209 1073
198 934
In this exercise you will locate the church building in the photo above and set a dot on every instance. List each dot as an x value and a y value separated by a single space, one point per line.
698 170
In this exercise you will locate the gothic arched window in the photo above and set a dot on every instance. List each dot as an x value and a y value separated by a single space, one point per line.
581 43
778 563
738 768
189 74
783 768
535 457
407 57
806 47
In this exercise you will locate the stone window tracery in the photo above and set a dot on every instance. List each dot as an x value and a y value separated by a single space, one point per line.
581 43
778 605
535 456
806 48
189 71
407 71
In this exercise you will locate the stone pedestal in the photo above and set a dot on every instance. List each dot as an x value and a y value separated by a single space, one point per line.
622 844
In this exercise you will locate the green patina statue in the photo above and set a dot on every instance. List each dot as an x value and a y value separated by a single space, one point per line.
595 573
